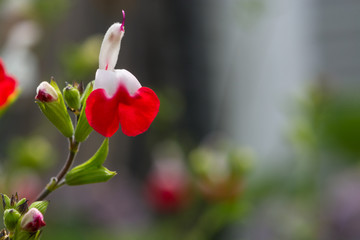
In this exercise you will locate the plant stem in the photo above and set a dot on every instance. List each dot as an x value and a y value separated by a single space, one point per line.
54 182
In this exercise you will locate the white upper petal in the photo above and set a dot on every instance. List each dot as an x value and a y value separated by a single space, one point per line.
111 80
110 47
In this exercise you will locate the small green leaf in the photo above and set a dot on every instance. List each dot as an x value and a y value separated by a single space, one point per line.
91 171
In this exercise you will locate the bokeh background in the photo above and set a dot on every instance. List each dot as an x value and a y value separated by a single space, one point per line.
258 134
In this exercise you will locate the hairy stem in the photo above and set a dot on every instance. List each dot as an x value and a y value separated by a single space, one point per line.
54 182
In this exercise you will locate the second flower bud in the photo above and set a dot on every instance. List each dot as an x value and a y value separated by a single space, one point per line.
72 97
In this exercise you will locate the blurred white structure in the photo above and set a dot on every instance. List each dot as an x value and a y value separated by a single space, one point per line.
262 56
18 56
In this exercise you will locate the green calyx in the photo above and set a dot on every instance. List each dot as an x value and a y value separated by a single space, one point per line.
25 235
83 128
91 171
57 113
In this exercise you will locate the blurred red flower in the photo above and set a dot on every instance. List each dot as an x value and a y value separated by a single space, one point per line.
8 88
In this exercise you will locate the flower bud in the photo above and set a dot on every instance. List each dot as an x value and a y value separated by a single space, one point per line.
11 217
46 93
72 97
51 103
32 221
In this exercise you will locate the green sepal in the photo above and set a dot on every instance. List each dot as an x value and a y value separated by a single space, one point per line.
72 97
11 218
57 113
86 92
83 128
91 171
22 206
21 201
40 205
6 202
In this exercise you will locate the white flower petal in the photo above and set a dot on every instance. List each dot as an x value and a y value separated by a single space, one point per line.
110 47
111 80
128 80
106 80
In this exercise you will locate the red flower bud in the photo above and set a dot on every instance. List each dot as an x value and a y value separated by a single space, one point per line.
46 93
32 221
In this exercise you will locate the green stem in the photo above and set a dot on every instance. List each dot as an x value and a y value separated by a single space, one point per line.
54 181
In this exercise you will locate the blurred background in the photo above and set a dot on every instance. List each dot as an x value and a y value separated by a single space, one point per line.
257 135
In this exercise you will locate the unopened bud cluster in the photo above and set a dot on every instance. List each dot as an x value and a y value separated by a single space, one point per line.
55 105
20 219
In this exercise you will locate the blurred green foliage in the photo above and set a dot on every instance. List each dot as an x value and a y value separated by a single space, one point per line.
81 61
47 12
33 152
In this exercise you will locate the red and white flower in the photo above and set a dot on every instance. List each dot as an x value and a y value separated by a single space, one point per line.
118 97
8 87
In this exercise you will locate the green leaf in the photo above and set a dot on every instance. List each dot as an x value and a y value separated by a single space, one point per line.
91 171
